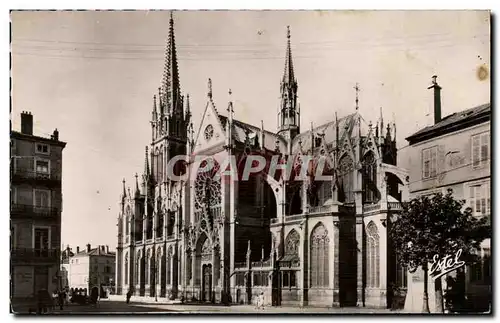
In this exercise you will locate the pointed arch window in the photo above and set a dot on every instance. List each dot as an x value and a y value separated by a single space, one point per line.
148 264
137 270
128 218
372 256
369 177
319 267
152 270
127 226
325 192
160 165
126 269
345 173
292 243
169 265
158 267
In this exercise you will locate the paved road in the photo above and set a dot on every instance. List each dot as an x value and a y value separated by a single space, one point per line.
116 307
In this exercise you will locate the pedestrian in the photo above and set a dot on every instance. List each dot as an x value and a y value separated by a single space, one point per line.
61 299
261 299
129 295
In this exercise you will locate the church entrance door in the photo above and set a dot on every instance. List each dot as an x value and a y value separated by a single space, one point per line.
206 283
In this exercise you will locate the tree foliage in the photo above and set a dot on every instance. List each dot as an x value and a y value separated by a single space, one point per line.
436 225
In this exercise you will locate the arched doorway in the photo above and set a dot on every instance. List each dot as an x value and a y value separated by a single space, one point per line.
206 285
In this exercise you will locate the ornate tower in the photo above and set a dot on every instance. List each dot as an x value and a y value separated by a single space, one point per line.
289 112
169 122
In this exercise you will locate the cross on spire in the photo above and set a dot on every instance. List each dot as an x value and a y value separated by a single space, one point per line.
357 88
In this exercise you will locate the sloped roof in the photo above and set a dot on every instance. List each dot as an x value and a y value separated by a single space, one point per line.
328 129
96 252
240 130
449 123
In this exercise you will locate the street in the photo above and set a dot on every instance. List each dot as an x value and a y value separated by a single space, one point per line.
117 307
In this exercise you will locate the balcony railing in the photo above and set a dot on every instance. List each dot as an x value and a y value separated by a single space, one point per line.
371 207
32 174
320 209
394 205
25 210
35 255
290 218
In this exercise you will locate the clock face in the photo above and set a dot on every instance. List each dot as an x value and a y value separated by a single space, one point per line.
209 132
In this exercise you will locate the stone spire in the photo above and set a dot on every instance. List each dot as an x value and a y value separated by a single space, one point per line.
154 117
124 194
145 175
288 115
170 87
288 75
137 189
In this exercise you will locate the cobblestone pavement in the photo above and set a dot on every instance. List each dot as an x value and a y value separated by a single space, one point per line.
116 307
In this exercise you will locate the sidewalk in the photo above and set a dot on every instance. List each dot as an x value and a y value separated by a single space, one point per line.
176 306
142 300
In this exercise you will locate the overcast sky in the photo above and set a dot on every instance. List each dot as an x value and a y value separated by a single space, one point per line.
92 75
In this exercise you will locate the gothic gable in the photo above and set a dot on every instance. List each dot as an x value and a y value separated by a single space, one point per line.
210 133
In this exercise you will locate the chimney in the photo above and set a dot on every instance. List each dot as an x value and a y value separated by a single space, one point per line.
107 249
103 249
27 123
55 135
77 249
88 247
437 99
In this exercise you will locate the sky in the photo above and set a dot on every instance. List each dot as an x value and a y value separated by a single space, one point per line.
92 75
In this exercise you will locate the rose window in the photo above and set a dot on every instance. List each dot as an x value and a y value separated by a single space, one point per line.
207 190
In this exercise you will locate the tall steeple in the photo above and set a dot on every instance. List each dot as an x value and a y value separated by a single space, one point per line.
170 87
288 115
288 75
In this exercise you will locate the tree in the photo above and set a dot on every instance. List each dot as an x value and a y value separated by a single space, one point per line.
437 225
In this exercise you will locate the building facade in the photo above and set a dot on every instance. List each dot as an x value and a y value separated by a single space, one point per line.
35 212
90 268
455 153
297 239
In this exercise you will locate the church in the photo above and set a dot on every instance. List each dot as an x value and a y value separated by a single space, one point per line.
297 240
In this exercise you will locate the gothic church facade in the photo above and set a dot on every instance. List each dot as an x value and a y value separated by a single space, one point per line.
298 240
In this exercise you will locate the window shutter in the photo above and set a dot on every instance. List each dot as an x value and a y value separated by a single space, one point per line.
475 151
484 147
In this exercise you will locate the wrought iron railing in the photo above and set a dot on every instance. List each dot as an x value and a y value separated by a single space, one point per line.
35 254
394 205
20 210
32 174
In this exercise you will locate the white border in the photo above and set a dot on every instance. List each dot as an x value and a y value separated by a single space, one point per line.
256 4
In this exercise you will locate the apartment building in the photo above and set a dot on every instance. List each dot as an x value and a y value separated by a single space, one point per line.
91 267
35 213
455 153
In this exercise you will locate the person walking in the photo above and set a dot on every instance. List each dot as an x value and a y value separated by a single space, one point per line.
61 298
129 295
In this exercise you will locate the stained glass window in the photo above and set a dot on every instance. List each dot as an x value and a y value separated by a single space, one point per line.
372 256
126 269
292 243
319 257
